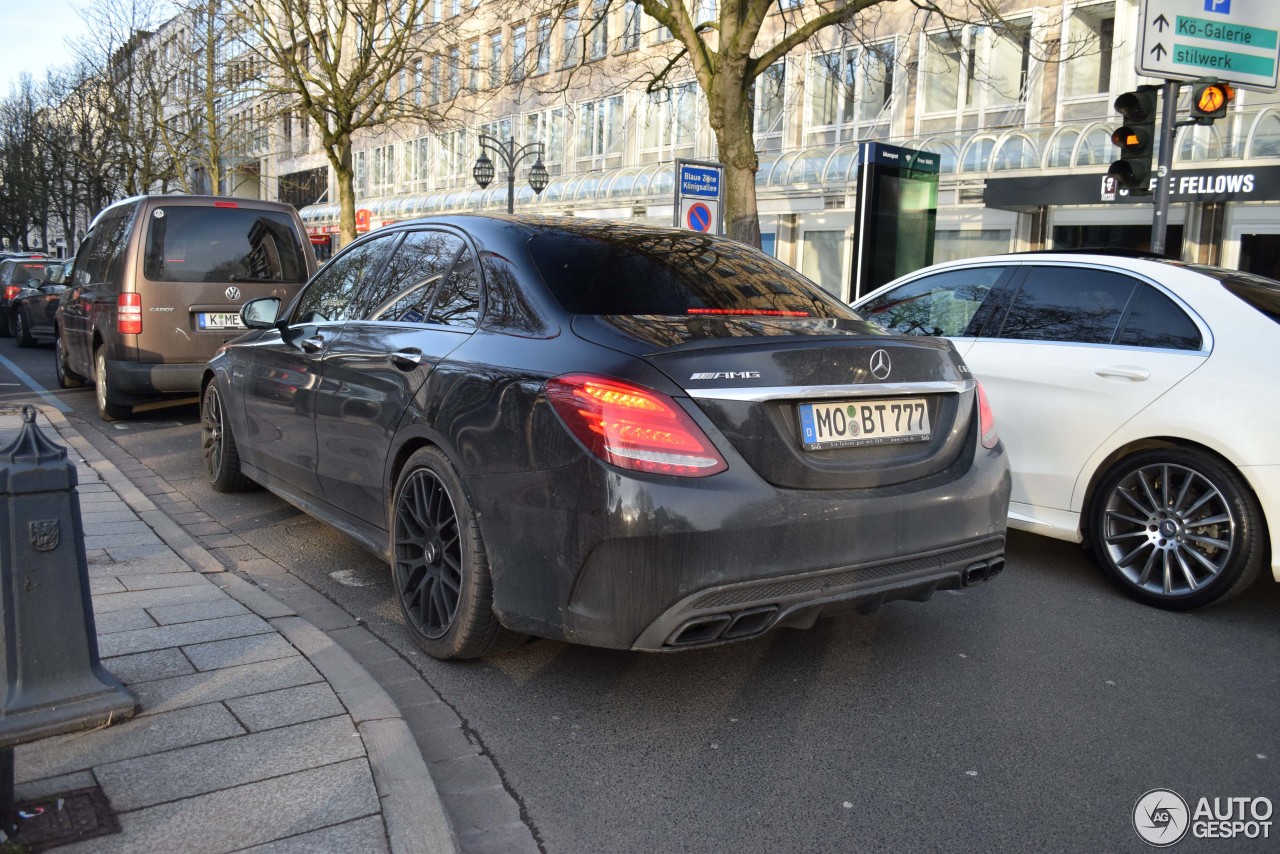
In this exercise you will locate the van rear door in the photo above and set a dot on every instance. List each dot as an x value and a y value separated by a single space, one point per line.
200 260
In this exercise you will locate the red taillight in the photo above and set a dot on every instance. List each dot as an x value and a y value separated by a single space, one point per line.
748 312
633 427
226 204
986 420
11 291
129 314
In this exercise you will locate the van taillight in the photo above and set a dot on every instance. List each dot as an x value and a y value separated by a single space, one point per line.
129 314
633 427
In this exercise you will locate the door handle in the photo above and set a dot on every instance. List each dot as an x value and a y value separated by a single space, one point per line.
1124 372
406 359
313 344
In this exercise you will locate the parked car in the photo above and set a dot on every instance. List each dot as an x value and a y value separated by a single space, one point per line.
157 288
16 273
31 314
1137 416
613 435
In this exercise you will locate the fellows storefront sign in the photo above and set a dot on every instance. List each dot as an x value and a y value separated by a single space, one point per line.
1234 184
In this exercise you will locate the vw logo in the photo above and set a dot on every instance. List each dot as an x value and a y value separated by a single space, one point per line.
880 366
233 293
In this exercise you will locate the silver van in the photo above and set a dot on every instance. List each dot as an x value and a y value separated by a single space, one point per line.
157 288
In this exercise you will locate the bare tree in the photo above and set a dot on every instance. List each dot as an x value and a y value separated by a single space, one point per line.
341 63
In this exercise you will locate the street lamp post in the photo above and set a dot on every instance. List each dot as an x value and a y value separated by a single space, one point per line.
510 154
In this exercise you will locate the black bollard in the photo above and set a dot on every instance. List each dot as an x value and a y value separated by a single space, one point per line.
53 681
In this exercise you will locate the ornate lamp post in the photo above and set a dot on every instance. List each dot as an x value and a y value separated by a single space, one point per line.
510 154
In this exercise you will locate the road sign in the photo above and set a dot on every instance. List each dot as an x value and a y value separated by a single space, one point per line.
699 192
698 216
1233 40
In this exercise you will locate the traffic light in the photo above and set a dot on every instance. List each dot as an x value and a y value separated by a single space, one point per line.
1136 139
1210 99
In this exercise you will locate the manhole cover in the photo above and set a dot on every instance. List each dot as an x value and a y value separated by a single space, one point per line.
65 818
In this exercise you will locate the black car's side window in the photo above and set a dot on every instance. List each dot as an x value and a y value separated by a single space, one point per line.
941 304
1154 320
458 302
332 293
404 292
1068 304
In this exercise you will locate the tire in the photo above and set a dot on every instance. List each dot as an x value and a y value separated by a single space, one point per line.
22 329
67 378
6 331
439 564
1176 529
218 445
109 409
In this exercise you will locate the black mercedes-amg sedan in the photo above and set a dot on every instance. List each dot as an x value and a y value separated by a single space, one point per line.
608 434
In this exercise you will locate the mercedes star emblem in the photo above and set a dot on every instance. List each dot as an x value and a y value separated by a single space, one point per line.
233 293
880 365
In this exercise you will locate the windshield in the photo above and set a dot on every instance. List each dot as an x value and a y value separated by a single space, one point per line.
672 273
1258 291
220 244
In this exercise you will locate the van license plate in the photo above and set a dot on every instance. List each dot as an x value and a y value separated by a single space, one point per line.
850 424
218 320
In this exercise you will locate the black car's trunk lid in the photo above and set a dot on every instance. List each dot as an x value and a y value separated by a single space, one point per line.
811 403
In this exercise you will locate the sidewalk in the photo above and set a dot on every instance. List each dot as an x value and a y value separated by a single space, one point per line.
256 731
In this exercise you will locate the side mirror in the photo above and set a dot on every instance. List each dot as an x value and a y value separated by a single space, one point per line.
34 284
260 313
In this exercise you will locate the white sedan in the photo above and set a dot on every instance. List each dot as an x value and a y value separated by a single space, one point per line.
1136 400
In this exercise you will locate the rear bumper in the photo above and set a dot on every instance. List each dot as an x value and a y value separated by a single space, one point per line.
139 378
592 556
1265 481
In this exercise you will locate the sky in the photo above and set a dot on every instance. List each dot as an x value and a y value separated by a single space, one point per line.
35 33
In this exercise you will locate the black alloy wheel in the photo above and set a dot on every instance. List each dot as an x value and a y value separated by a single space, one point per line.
22 329
67 378
1177 529
218 445
439 565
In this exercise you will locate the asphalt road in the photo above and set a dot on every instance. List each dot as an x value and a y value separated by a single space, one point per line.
1027 714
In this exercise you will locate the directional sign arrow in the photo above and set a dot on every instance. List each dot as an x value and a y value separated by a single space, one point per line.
1159 50
1161 23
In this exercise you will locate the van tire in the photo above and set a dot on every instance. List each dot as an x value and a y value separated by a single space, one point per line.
109 409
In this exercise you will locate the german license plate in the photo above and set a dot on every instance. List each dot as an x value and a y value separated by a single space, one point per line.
850 424
218 320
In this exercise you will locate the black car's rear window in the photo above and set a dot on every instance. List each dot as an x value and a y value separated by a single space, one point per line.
21 272
1258 291
222 244
639 273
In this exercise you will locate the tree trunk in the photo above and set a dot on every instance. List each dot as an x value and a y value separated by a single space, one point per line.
736 147
344 173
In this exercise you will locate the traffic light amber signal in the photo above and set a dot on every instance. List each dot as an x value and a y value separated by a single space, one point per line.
1136 140
1210 99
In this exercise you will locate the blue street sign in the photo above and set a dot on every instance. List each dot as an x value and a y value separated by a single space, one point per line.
701 181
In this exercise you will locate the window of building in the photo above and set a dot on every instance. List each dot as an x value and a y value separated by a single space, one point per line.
1088 51
548 128
768 99
474 80
416 163
705 11
436 64
631 15
542 62
600 132
669 123
569 51
417 82
452 164
455 71
495 60
979 70
821 259
519 50
599 28
850 91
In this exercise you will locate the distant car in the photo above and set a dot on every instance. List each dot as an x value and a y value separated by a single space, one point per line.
1135 403
157 288
612 435
17 272
32 311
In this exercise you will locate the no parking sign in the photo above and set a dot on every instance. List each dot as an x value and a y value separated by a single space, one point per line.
698 196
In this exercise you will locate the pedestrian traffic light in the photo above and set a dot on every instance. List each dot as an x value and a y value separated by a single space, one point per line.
1136 139
1210 99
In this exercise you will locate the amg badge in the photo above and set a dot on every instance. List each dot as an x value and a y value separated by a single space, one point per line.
727 375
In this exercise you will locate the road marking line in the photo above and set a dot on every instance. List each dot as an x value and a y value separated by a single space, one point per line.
30 383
